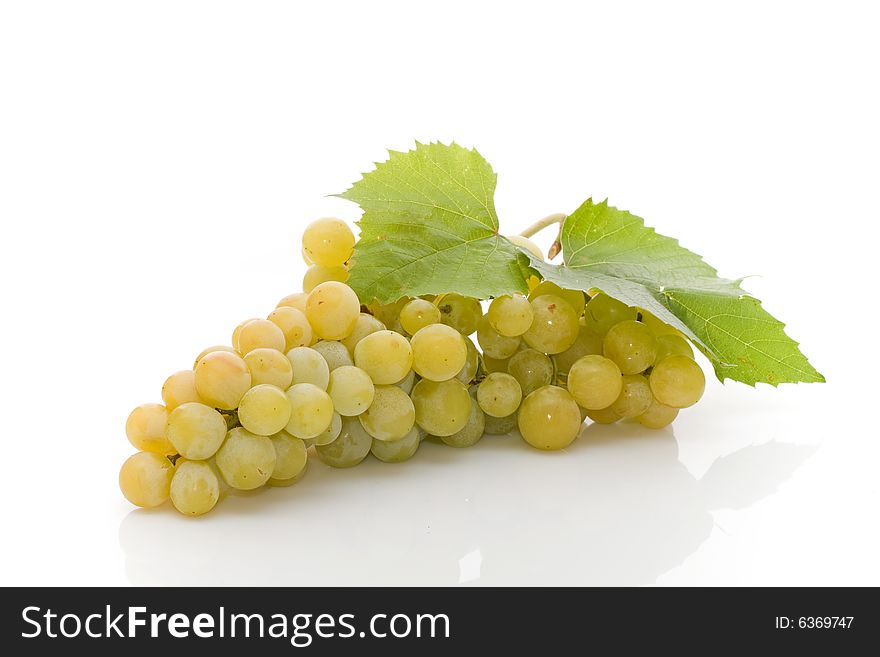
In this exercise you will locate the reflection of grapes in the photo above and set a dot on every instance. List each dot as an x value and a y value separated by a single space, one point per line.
326 374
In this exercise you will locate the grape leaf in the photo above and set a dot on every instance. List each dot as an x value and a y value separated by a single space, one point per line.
429 226
614 251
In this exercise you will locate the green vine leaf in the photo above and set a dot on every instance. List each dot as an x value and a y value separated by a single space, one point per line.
614 251
429 227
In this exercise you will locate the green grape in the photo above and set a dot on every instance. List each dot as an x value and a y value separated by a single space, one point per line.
333 309
236 333
494 364
500 426
493 343
179 388
385 355
259 333
555 325
365 325
330 434
311 410
296 300
442 408
145 479
290 456
391 415
549 418
281 483
439 352
604 416
672 345
471 432
510 315
328 242
397 451
527 244
499 394
631 345
264 410
194 488
145 428
459 312
349 449
635 397
309 366
595 382
317 275
657 416
222 378
294 325
658 327
587 343
335 354
388 314
195 430
407 383
269 366
574 298
246 460
471 363
531 369
603 312
417 314
351 390
677 381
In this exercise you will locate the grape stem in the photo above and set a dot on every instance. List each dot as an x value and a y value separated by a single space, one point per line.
541 224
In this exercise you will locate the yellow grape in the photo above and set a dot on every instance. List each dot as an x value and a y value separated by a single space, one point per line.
260 333
245 459
510 315
145 428
554 327
194 488
328 242
264 410
317 274
195 430
391 415
332 310
145 479
180 388
222 378
365 325
269 366
294 325
211 350
677 381
442 408
549 418
595 382
385 355
417 314
439 352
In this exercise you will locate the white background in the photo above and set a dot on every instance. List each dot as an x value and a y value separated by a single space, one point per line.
159 160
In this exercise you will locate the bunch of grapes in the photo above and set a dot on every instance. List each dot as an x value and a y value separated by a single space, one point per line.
324 375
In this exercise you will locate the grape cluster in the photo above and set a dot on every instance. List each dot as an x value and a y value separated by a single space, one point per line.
327 375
